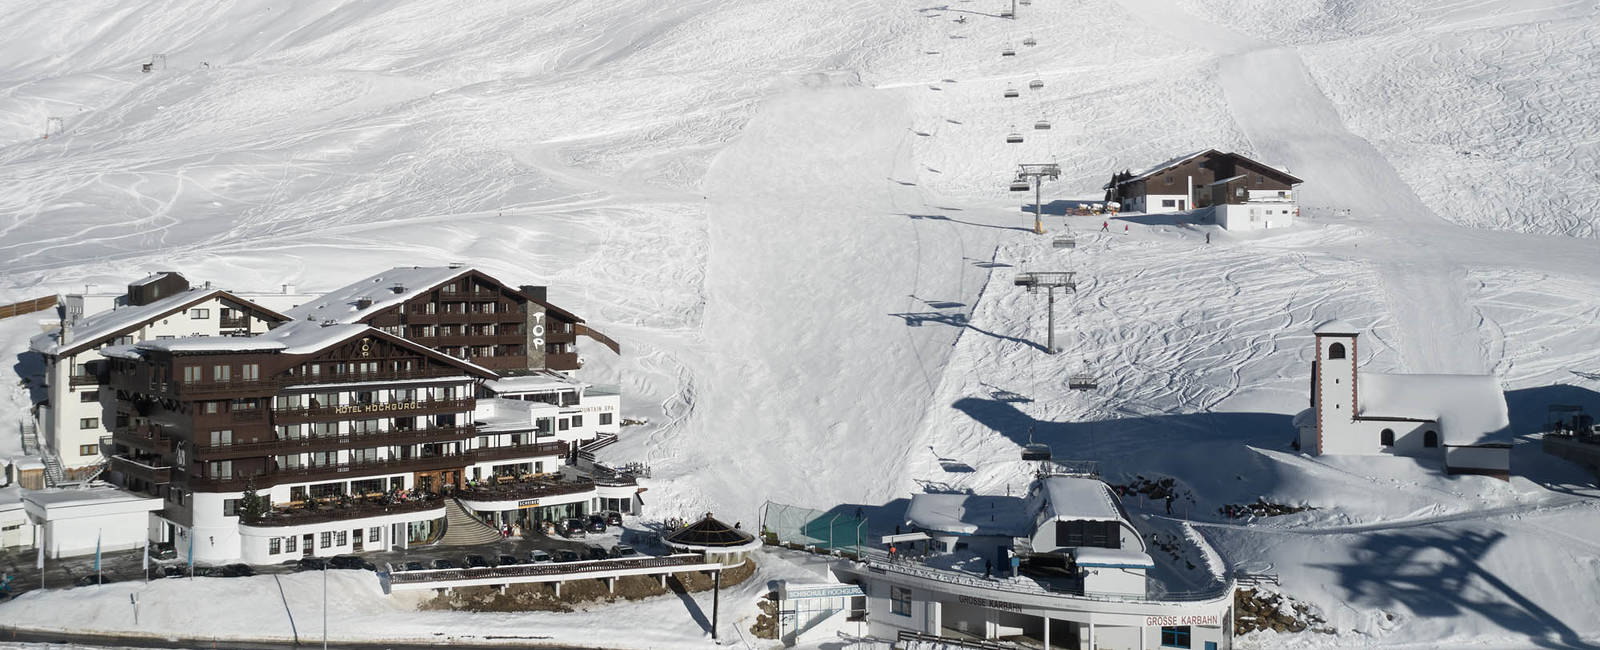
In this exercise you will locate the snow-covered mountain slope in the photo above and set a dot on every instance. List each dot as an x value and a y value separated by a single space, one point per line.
794 217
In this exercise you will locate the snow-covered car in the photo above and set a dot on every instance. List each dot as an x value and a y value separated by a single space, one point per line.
537 556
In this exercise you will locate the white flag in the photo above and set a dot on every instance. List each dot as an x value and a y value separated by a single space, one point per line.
147 556
41 556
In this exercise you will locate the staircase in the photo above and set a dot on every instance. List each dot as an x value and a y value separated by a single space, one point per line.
30 437
54 475
461 528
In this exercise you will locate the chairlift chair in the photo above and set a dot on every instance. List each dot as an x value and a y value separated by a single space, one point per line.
1014 138
1029 41
1036 84
1024 2
1082 382
1036 451
1011 92
1064 241
1041 125
1008 51
1020 185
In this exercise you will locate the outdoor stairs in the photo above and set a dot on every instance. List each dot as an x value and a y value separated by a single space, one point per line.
461 528
30 438
54 475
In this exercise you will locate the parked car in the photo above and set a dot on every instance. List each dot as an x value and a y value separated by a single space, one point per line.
508 560
537 556
476 561
442 563
92 579
572 528
623 550
311 564
350 562
164 551
567 555
597 553
236 571
597 524
174 572
613 518
413 565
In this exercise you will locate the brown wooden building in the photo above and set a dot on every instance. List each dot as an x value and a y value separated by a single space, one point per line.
1184 183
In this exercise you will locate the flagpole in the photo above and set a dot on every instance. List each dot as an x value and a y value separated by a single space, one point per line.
98 579
38 537
145 560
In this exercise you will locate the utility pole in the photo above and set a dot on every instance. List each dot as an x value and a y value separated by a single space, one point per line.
716 601
1038 173
324 605
1049 281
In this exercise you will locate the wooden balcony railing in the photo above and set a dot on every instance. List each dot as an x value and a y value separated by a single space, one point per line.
311 444
375 409
149 469
371 468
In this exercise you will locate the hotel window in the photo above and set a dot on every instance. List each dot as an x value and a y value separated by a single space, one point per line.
292 461
88 423
577 421
900 601
325 429
326 539
221 438
288 402
230 507
324 458
344 538
191 374
222 469
562 424
199 314
372 534
288 544
449 288
221 373
297 493
250 372
275 546
212 408
605 419
1176 636
369 455
88 450
89 396
430 308
1169 203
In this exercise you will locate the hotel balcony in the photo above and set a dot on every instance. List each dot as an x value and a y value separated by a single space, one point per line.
75 381
237 323
334 443
150 469
374 409
317 512
427 463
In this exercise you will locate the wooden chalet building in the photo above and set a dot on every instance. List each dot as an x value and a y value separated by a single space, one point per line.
348 432
464 313
1246 194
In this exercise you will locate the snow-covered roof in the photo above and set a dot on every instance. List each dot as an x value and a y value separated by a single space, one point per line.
93 328
148 279
1169 164
969 514
296 337
1112 557
1335 326
1082 499
542 380
385 290
1467 407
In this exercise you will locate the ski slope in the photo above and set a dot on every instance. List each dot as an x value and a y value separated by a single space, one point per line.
794 217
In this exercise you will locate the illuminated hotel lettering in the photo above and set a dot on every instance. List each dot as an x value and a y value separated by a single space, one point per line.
383 406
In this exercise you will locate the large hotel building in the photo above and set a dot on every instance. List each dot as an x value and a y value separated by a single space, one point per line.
360 420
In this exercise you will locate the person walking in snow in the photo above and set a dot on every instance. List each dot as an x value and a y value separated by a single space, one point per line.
987 568
1105 226
1208 238
1169 503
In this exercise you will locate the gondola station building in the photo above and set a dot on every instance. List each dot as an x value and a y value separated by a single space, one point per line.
1062 567
335 432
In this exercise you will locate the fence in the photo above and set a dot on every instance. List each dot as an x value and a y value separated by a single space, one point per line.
818 528
27 306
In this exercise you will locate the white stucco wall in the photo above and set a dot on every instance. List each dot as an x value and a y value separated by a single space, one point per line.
1152 203
1255 216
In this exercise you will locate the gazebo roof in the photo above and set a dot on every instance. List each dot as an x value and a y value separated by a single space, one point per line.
709 533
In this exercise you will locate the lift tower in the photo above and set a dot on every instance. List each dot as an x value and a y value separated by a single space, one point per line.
1049 281
1038 173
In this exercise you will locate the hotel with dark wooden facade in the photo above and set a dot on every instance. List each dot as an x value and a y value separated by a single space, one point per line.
362 421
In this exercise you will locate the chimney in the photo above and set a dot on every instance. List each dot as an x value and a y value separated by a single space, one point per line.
363 303
65 336
535 292
288 289
398 288
457 265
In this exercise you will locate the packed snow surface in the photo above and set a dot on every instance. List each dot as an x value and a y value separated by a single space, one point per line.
796 220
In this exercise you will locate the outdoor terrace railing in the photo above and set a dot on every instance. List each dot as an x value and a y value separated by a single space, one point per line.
879 562
530 489
341 441
316 513
574 569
